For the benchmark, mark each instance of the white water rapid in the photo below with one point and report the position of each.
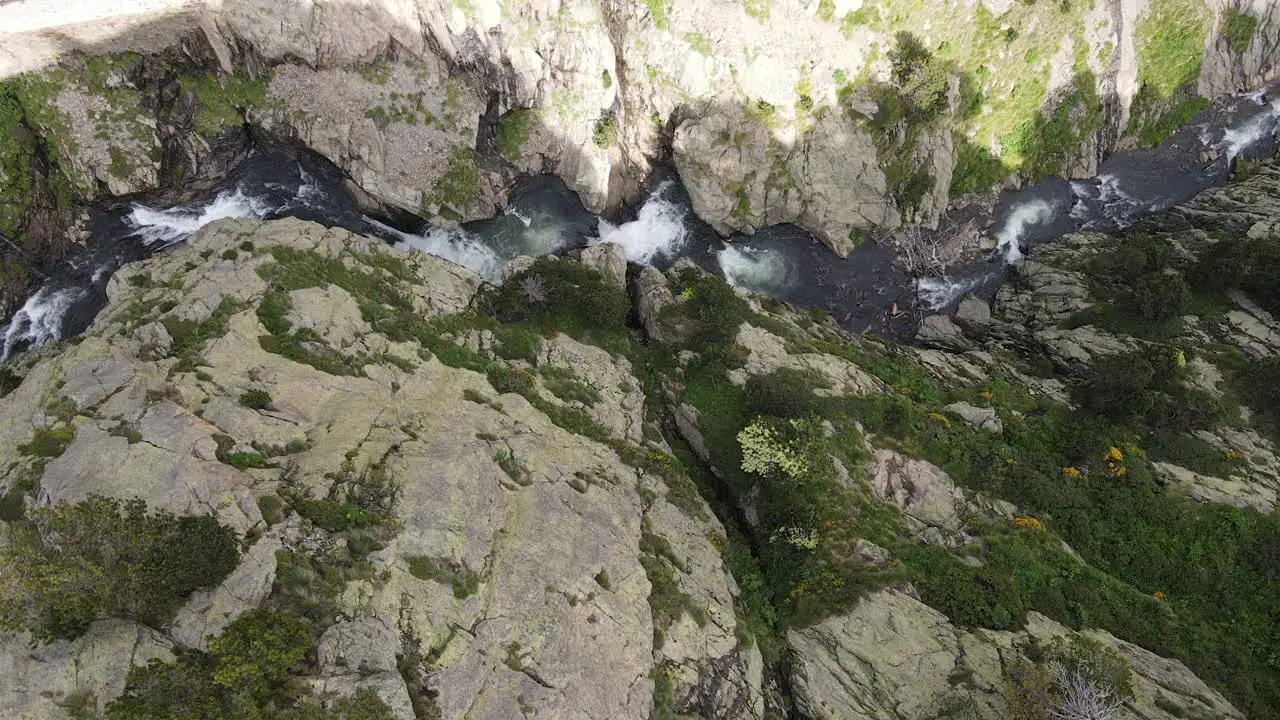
(161, 228)
(453, 244)
(40, 319)
(657, 231)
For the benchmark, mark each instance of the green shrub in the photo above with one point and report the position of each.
(1159, 297)
(69, 564)
(49, 443)
(463, 580)
(605, 134)
(509, 380)
(256, 399)
(513, 131)
(257, 651)
(563, 384)
(1239, 28)
(272, 310)
(272, 509)
(336, 516)
(1119, 386)
(784, 393)
(578, 299)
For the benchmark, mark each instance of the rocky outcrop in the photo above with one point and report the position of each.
(48, 682)
(1234, 65)
(849, 669)
(515, 618)
(934, 508)
(405, 132)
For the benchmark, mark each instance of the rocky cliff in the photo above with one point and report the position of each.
(481, 502)
(819, 112)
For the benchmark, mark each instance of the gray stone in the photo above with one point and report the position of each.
(982, 418)
(973, 312)
(939, 331)
(610, 260)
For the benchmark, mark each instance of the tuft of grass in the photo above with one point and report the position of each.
(463, 580)
(459, 186)
(1180, 114)
(47, 442)
(514, 128)
(700, 43)
(1239, 28)
(256, 399)
(563, 384)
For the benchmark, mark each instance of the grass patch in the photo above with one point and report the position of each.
(1239, 28)
(513, 131)
(464, 581)
(564, 384)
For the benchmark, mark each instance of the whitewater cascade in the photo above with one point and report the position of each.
(657, 232)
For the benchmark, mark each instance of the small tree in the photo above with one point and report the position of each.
(257, 651)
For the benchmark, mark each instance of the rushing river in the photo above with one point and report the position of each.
(866, 291)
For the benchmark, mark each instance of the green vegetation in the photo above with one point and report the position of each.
(1167, 124)
(1239, 28)
(49, 442)
(667, 601)
(1044, 144)
(28, 115)
(189, 337)
(256, 399)
(513, 131)
(700, 43)
(459, 186)
(658, 11)
(577, 300)
(758, 9)
(67, 565)
(1170, 41)
(464, 581)
(222, 102)
(565, 385)
(245, 675)
(606, 132)
(1082, 475)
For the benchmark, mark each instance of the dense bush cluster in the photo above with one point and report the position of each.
(572, 298)
(245, 675)
(67, 565)
(1186, 580)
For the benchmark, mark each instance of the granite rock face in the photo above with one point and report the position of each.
(559, 621)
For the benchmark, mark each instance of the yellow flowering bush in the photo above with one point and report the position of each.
(1072, 472)
(1028, 522)
(940, 419)
(1114, 460)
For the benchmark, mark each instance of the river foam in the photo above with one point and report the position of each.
(159, 229)
(40, 319)
(657, 232)
(453, 244)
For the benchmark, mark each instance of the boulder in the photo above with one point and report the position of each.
(935, 509)
(610, 260)
(652, 295)
(37, 682)
(940, 332)
(973, 312)
(982, 418)
(851, 666)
